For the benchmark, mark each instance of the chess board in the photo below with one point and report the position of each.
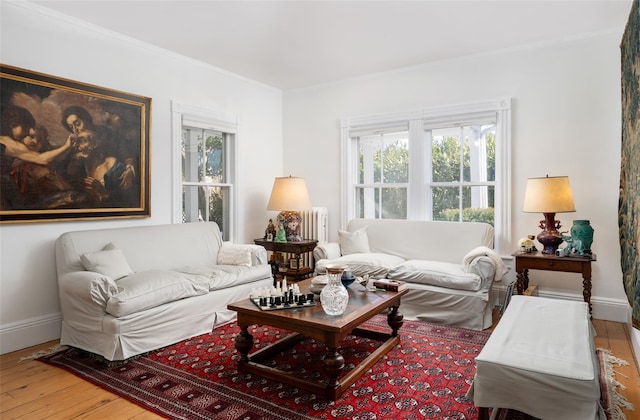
(281, 306)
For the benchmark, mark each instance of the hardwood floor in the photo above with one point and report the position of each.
(34, 390)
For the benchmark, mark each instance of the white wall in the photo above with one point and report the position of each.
(29, 308)
(565, 121)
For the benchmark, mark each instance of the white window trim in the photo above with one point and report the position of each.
(182, 114)
(369, 124)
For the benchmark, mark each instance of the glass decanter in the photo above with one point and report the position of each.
(334, 296)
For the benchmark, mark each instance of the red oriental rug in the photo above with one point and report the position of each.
(426, 376)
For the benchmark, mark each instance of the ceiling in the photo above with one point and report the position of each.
(293, 44)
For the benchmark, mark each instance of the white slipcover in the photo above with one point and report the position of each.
(541, 360)
(186, 248)
(420, 252)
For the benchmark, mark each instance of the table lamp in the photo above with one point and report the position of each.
(549, 195)
(289, 195)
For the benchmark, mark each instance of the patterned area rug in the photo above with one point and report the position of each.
(426, 376)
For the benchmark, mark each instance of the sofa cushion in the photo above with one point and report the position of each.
(436, 273)
(109, 262)
(223, 276)
(353, 242)
(374, 264)
(148, 289)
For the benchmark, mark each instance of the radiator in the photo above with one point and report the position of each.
(315, 225)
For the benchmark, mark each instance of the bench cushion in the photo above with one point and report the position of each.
(540, 360)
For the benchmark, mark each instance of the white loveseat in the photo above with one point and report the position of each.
(126, 291)
(449, 267)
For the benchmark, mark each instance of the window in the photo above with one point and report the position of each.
(383, 176)
(449, 164)
(461, 187)
(205, 146)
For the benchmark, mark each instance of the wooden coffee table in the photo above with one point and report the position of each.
(330, 330)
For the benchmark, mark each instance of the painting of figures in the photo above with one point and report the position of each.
(70, 150)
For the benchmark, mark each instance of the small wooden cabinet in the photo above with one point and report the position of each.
(526, 261)
(294, 272)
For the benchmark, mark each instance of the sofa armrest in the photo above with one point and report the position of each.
(327, 250)
(85, 292)
(258, 255)
(484, 267)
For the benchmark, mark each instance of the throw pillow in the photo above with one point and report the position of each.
(234, 255)
(110, 262)
(354, 242)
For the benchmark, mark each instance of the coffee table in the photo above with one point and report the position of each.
(330, 330)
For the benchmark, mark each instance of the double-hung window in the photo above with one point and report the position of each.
(449, 164)
(206, 144)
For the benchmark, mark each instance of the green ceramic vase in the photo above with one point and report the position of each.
(582, 230)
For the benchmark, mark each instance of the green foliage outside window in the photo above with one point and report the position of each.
(211, 159)
(468, 215)
(445, 168)
(214, 169)
(396, 164)
(395, 170)
(390, 166)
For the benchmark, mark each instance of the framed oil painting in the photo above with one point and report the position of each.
(70, 150)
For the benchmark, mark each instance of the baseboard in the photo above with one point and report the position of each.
(607, 309)
(29, 332)
(634, 333)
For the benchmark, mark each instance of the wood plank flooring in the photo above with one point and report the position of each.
(34, 390)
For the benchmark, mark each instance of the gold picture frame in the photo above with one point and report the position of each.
(70, 150)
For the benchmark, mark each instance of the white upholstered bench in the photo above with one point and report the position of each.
(540, 360)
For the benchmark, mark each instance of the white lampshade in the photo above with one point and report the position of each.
(548, 195)
(289, 193)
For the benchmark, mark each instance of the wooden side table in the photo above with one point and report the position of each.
(526, 261)
(298, 272)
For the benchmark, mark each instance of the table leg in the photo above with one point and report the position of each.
(333, 363)
(586, 283)
(395, 320)
(586, 292)
(522, 281)
(483, 413)
(244, 343)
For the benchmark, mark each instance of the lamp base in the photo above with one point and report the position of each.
(550, 238)
(291, 221)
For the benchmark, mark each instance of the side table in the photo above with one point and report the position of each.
(526, 261)
(297, 272)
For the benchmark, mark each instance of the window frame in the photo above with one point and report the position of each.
(208, 119)
(415, 122)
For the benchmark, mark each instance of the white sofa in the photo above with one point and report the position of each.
(127, 291)
(449, 267)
